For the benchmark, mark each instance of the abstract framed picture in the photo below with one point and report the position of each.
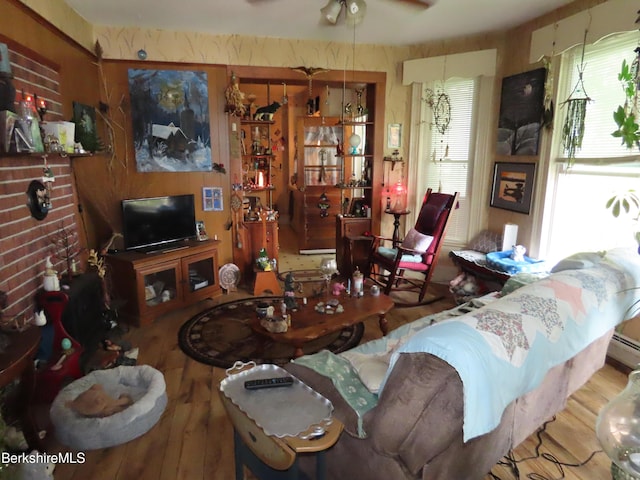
(170, 118)
(521, 108)
(513, 186)
(212, 199)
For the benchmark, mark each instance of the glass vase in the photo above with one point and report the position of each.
(618, 430)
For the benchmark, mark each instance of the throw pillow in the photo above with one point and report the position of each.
(486, 242)
(578, 261)
(417, 241)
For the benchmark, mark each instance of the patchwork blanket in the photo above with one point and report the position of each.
(503, 349)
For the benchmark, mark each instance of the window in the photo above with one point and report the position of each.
(575, 217)
(446, 158)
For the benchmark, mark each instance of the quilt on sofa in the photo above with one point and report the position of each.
(505, 348)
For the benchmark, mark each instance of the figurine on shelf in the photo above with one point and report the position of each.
(263, 260)
(338, 288)
(289, 292)
(266, 113)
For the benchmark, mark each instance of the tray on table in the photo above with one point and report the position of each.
(281, 412)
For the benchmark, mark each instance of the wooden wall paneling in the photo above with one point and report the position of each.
(102, 205)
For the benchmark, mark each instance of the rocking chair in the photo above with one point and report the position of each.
(409, 265)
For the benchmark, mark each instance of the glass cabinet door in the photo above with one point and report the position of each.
(200, 276)
(161, 285)
(322, 143)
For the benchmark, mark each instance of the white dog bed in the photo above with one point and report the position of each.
(143, 383)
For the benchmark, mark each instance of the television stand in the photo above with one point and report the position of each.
(166, 249)
(154, 283)
(174, 249)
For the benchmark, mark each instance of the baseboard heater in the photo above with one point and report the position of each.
(624, 349)
(316, 251)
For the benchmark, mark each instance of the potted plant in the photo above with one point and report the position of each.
(626, 115)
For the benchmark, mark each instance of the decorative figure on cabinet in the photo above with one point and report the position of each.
(289, 292)
(324, 205)
(263, 260)
(234, 98)
(266, 113)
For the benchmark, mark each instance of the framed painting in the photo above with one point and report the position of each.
(212, 199)
(201, 231)
(521, 108)
(394, 135)
(513, 186)
(170, 118)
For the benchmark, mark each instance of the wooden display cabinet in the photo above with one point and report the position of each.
(257, 158)
(255, 235)
(152, 284)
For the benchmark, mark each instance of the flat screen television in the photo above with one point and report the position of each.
(156, 223)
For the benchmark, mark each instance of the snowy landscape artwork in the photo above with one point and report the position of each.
(170, 117)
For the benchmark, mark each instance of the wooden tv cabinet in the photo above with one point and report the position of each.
(152, 284)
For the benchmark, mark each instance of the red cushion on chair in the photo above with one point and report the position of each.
(413, 266)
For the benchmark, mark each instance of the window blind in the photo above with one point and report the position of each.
(446, 162)
(602, 64)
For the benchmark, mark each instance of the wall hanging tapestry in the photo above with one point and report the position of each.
(170, 117)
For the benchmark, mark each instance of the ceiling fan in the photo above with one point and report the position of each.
(356, 9)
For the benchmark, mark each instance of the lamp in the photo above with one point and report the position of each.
(618, 430)
(398, 197)
(331, 11)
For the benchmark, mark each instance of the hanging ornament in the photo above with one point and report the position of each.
(310, 73)
(573, 126)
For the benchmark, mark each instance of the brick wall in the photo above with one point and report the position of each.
(26, 242)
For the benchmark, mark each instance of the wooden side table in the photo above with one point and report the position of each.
(266, 281)
(396, 224)
(273, 458)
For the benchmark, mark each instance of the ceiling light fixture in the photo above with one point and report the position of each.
(331, 11)
(355, 11)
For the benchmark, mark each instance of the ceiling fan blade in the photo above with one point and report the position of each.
(416, 3)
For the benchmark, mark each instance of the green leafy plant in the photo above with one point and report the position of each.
(625, 116)
(628, 203)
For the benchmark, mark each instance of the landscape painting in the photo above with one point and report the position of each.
(170, 117)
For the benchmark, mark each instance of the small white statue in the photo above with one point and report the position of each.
(518, 253)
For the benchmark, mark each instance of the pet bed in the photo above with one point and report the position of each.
(503, 261)
(143, 383)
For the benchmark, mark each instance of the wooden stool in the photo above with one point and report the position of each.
(266, 281)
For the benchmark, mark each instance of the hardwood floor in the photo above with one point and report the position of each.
(193, 439)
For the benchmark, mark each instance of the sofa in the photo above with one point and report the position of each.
(441, 398)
